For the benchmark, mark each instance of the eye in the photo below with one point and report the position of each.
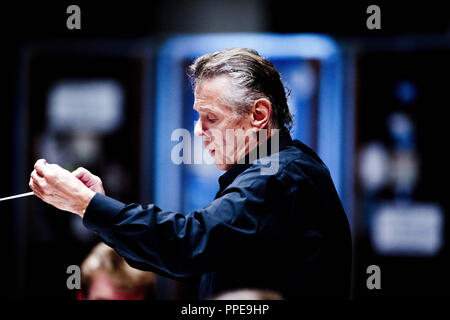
(211, 118)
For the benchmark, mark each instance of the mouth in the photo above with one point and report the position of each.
(212, 152)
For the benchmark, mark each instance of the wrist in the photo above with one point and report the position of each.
(86, 198)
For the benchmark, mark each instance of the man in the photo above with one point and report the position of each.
(285, 231)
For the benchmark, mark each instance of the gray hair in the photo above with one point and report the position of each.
(252, 76)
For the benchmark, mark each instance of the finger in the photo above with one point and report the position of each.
(30, 184)
(41, 167)
(39, 195)
(41, 162)
(86, 177)
(35, 188)
(39, 175)
(39, 181)
(82, 174)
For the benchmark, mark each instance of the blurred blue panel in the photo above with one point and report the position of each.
(310, 69)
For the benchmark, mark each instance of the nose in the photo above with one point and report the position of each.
(201, 131)
(198, 131)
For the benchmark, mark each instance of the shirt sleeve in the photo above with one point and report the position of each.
(181, 245)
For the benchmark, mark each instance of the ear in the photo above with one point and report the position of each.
(261, 111)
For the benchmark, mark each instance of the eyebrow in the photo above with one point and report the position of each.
(202, 109)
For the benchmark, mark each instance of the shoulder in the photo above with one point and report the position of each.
(291, 166)
(300, 160)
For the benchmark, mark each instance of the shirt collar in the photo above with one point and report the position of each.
(228, 177)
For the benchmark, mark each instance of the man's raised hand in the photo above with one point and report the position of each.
(60, 188)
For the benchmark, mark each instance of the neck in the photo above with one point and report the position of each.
(266, 142)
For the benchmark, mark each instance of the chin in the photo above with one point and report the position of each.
(223, 167)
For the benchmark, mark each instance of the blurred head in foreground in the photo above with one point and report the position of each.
(249, 294)
(107, 276)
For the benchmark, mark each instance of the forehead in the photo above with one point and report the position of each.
(210, 85)
(208, 93)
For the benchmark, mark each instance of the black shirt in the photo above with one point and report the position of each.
(285, 231)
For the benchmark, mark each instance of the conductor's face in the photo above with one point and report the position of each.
(223, 132)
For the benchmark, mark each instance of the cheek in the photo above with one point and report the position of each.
(217, 136)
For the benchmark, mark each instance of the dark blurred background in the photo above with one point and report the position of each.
(393, 140)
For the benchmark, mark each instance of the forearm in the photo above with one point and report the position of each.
(147, 237)
(176, 244)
